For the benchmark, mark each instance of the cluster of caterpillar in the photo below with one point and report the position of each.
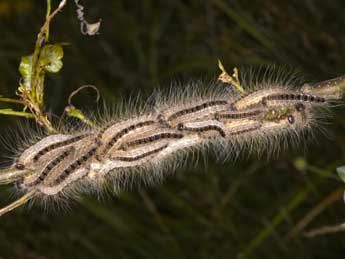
(150, 143)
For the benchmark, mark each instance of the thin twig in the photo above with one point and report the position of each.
(81, 88)
(22, 200)
(317, 210)
(72, 111)
(325, 230)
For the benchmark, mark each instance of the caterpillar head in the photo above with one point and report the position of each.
(286, 118)
(48, 166)
(30, 163)
(26, 166)
(13, 173)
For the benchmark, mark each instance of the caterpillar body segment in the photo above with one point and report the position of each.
(147, 140)
(289, 98)
(255, 98)
(117, 133)
(240, 115)
(277, 97)
(31, 155)
(193, 102)
(40, 159)
(200, 110)
(49, 167)
(135, 158)
(69, 140)
(206, 129)
(61, 164)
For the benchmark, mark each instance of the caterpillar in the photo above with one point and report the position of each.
(143, 145)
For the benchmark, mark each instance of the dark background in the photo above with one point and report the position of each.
(245, 207)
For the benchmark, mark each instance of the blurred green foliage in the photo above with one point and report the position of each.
(243, 208)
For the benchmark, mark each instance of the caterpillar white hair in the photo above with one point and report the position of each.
(148, 144)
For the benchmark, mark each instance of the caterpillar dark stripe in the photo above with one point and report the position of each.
(221, 132)
(58, 145)
(123, 132)
(51, 165)
(196, 108)
(237, 115)
(293, 97)
(76, 165)
(135, 158)
(151, 139)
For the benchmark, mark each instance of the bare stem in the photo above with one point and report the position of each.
(21, 201)
(317, 210)
(325, 230)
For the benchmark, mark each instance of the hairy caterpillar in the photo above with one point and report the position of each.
(65, 163)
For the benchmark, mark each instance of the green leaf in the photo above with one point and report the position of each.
(51, 58)
(10, 100)
(76, 113)
(9, 111)
(25, 69)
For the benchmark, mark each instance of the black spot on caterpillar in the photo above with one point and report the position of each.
(291, 119)
(300, 107)
(135, 158)
(19, 166)
(162, 120)
(58, 145)
(196, 108)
